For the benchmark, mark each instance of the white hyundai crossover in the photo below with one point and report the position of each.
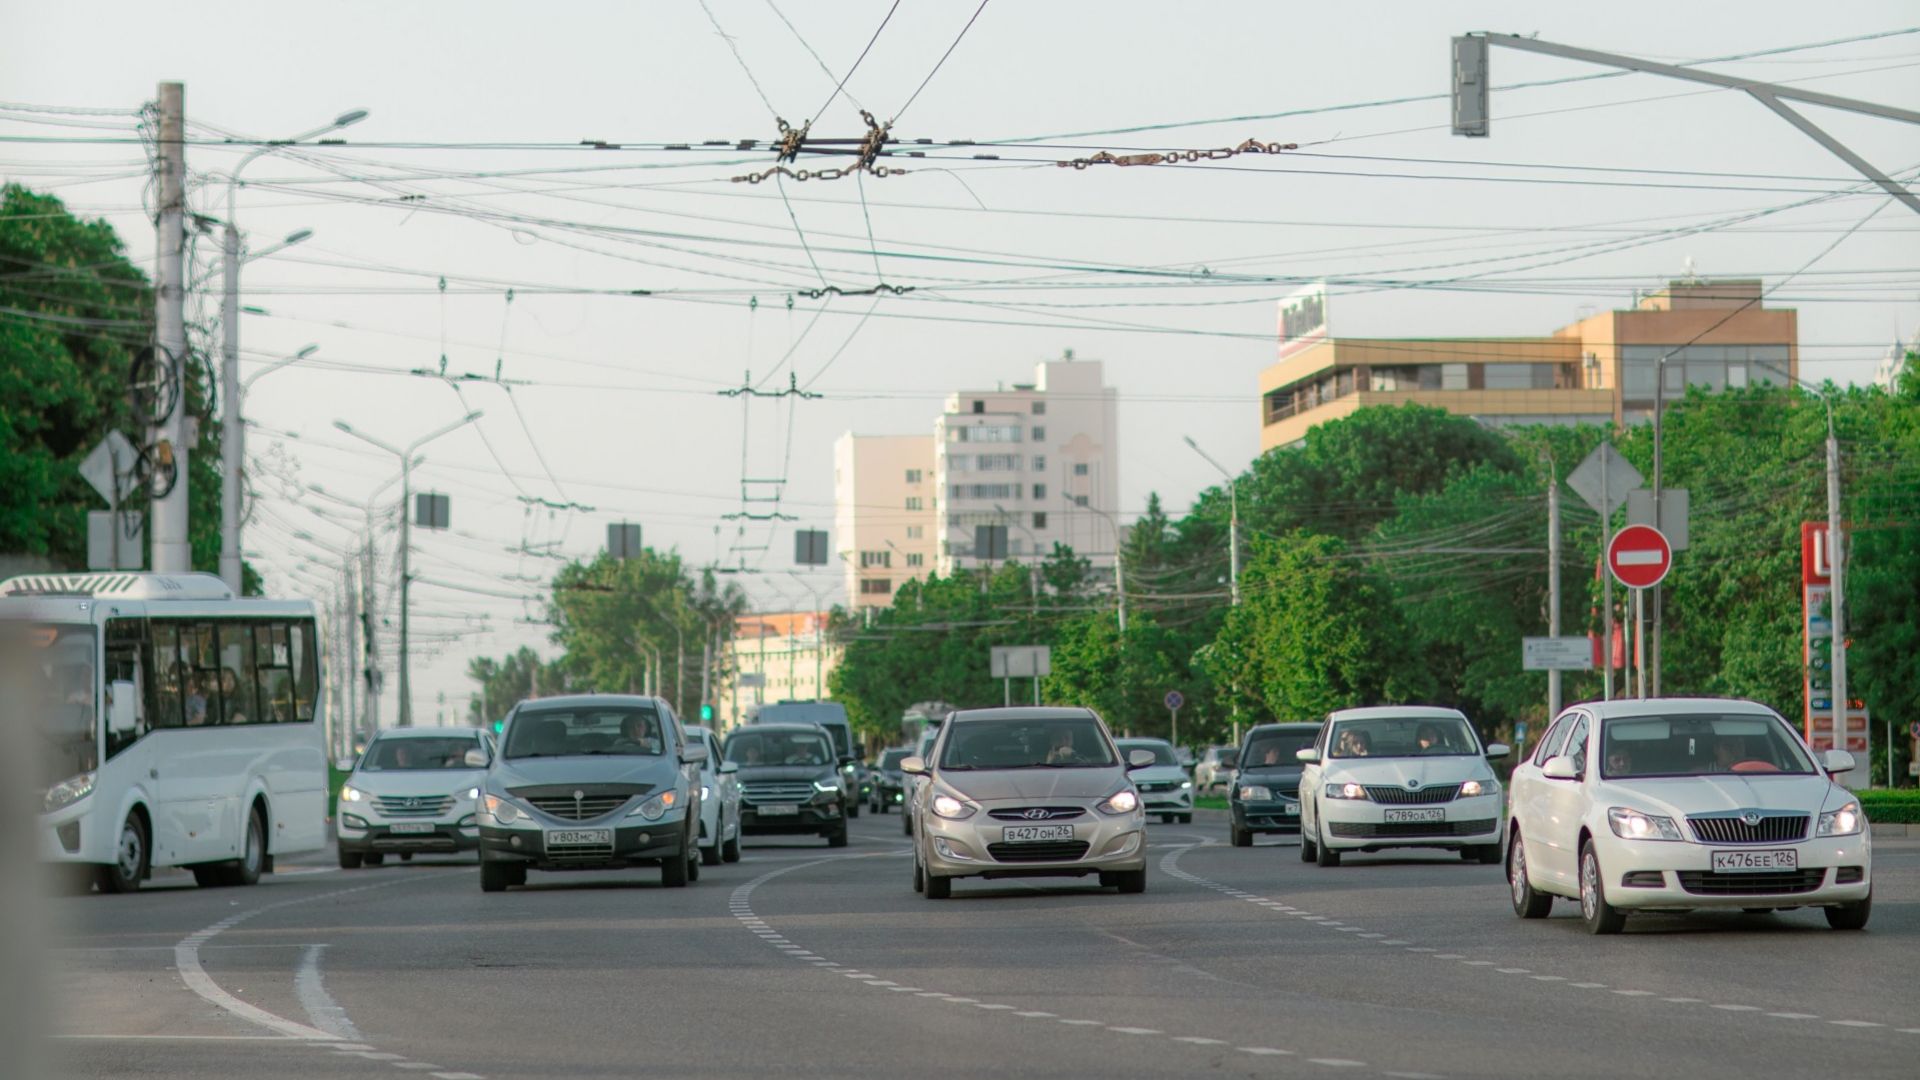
(1675, 804)
(1402, 776)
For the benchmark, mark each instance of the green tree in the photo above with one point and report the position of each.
(610, 615)
(1883, 575)
(506, 682)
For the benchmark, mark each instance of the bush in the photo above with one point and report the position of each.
(1892, 807)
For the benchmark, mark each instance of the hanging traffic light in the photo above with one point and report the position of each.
(706, 713)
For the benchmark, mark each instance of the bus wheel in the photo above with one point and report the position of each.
(129, 859)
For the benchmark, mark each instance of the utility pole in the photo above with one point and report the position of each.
(406, 579)
(1836, 563)
(1606, 587)
(232, 461)
(369, 609)
(1553, 588)
(172, 554)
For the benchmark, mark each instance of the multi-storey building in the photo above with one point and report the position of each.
(1715, 334)
(775, 656)
(884, 520)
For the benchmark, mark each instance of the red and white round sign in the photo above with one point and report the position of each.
(1639, 556)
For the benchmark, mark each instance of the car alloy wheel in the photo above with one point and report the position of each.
(1527, 903)
(1600, 916)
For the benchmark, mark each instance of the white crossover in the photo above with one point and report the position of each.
(1399, 776)
(1675, 804)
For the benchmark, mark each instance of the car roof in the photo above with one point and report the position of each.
(1384, 712)
(1142, 740)
(578, 701)
(778, 729)
(1672, 706)
(1291, 727)
(1027, 712)
(425, 732)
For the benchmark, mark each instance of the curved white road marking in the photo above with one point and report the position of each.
(326, 1014)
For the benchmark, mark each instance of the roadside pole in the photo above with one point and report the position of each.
(1836, 564)
(171, 552)
(1553, 588)
(1606, 591)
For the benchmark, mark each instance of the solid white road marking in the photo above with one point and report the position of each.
(326, 1014)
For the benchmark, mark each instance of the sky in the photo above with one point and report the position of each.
(603, 299)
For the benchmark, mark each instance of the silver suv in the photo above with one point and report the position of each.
(1026, 793)
(412, 792)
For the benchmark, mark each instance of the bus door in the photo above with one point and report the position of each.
(126, 760)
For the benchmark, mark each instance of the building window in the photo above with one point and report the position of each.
(1039, 463)
(915, 559)
(876, 586)
(1039, 434)
(997, 463)
(870, 559)
(913, 476)
(1453, 376)
(913, 502)
(979, 407)
(985, 433)
(1040, 520)
(1039, 408)
(914, 532)
(1039, 492)
(1519, 376)
(1080, 468)
(1079, 500)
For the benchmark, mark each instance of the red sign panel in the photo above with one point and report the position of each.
(1639, 556)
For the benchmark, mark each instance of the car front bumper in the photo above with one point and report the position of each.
(811, 819)
(1362, 824)
(378, 837)
(1687, 879)
(641, 843)
(976, 846)
(1179, 800)
(1279, 816)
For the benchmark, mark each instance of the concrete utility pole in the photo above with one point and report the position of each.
(1233, 521)
(1553, 590)
(1836, 573)
(369, 609)
(172, 552)
(1606, 589)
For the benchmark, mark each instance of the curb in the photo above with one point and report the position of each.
(1896, 831)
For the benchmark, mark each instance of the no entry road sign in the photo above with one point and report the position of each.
(1639, 556)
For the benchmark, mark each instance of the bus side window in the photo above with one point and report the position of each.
(124, 647)
(275, 662)
(302, 651)
(200, 654)
(167, 678)
(237, 700)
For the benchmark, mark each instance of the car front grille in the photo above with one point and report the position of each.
(1026, 813)
(1364, 830)
(585, 808)
(580, 853)
(1730, 829)
(1046, 851)
(1427, 796)
(1160, 785)
(782, 792)
(1770, 883)
(412, 806)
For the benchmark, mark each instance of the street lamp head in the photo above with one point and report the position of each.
(348, 119)
(296, 236)
(1190, 442)
(472, 416)
(344, 426)
(306, 352)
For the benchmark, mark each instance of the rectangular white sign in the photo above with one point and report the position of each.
(1556, 654)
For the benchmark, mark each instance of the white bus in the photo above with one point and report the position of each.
(175, 725)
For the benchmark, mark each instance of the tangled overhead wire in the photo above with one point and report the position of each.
(793, 141)
(1170, 157)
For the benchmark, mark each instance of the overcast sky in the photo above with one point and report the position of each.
(1585, 192)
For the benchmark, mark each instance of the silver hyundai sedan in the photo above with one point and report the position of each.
(1038, 792)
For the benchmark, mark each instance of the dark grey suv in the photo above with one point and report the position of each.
(591, 782)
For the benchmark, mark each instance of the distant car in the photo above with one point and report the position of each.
(719, 802)
(1215, 768)
(1401, 776)
(831, 716)
(1673, 804)
(1265, 794)
(591, 782)
(1029, 792)
(412, 792)
(789, 782)
(1164, 786)
(889, 784)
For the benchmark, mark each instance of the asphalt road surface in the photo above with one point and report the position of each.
(804, 962)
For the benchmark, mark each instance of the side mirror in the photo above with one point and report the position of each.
(122, 718)
(1498, 750)
(914, 766)
(1839, 761)
(346, 762)
(693, 753)
(847, 759)
(1307, 754)
(727, 768)
(1560, 767)
(1139, 759)
(476, 759)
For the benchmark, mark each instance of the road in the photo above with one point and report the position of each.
(804, 962)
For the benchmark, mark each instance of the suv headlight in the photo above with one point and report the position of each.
(1842, 822)
(952, 809)
(70, 791)
(1123, 801)
(468, 795)
(500, 810)
(1255, 793)
(1347, 790)
(1479, 787)
(825, 787)
(349, 793)
(1634, 825)
(656, 808)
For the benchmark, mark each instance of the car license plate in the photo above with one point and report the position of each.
(778, 810)
(1755, 862)
(410, 827)
(579, 838)
(1014, 834)
(1397, 816)
(1290, 809)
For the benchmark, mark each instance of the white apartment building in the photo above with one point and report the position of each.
(1041, 459)
(884, 514)
(775, 656)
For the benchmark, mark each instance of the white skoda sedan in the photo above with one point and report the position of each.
(1398, 777)
(1675, 804)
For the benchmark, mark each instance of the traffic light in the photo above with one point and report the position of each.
(706, 713)
(499, 726)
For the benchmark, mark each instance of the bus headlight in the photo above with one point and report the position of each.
(67, 792)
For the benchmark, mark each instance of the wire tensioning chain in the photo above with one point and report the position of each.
(793, 140)
(1171, 157)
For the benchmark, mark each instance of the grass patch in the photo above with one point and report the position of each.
(1210, 802)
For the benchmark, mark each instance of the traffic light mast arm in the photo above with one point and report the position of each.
(1472, 118)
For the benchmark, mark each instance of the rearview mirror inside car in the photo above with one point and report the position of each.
(1140, 759)
(1498, 750)
(1560, 768)
(476, 759)
(1307, 754)
(916, 765)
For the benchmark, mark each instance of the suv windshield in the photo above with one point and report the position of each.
(628, 730)
(1278, 748)
(749, 747)
(418, 752)
(1074, 742)
(1635, 747)
(1162, 753)
(1402, 736)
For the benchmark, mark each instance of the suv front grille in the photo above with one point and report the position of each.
(1770, 883)
(1382, 793)
(1044, 851)
(408, 806)
(1021, 813)
(778, 792)
(582, 809)
(1729, 829)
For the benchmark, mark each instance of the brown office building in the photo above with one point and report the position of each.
(1598, 369)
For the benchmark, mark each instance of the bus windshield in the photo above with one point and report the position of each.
(49, 672)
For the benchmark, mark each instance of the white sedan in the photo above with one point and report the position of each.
(1675, 804)
(1399, 777)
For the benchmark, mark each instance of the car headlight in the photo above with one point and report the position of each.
(67, 792)
(1123, 801)
(1185, 784)
(469, 795)
(1842, 822)
(656, 808)
(500, 810)
(1479, 787)
(350, 793)
(952, 809)
(1634, 825)
(1348, 790)
(825, 786)
(1255, 793)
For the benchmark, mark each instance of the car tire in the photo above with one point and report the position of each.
(693, 866)
(937, 887)
(1126, 881)
(349, 860)
(1186, 819)
(838, 837)
(498, 877)
(853, 809)
(730, 851)
(131, 858)
(1309, 851)
(919, 875)
(1850, 916)
(1484, 854)
(1240, 837)
(1527, 902)
(1325, 856)
(906, 822)
(406, 856)
(673, 873)
(375, 858)
(710, 856)
(1600, 916)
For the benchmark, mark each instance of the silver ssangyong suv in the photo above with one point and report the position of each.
(1026, 793)
(591, 782)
